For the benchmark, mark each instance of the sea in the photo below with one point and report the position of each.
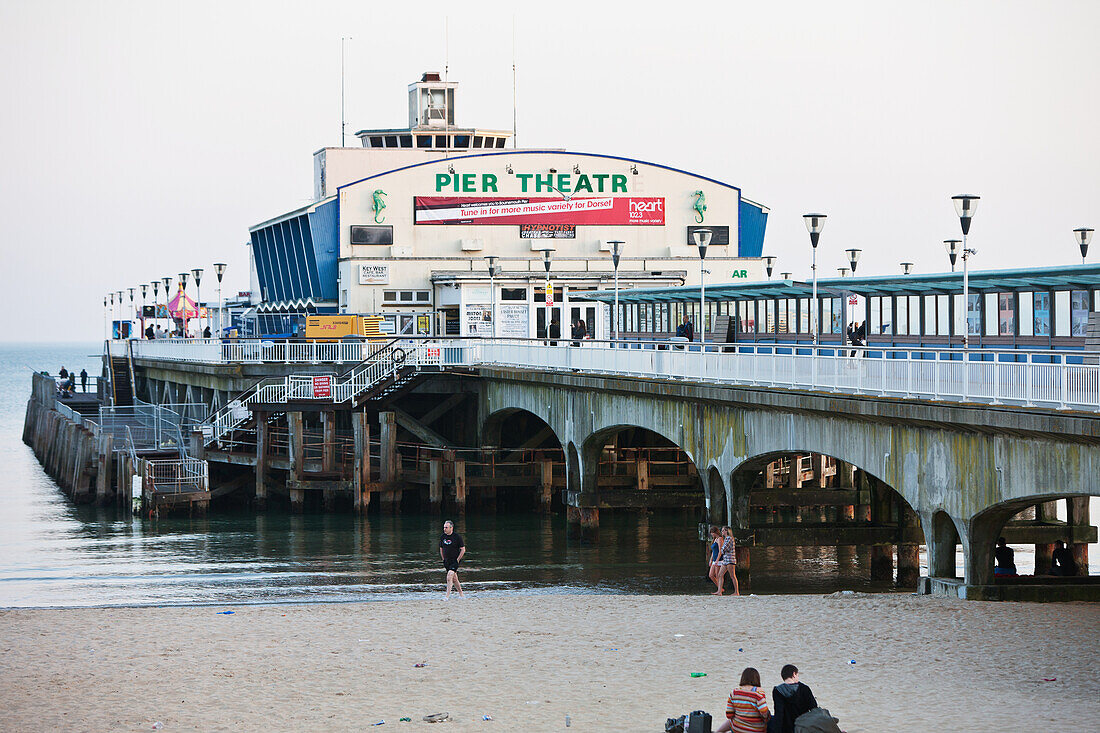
(55, 554)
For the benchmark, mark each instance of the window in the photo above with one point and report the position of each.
(974, 314)
(513, 293)
(1006, 304)
(371, 234)
(406, 141)
(406, 297)
(902, 321)
(500, 142)
(441, 141)
(391, 141)
(991, 314)
(930, 320)
(462, 141)
(477, 141)
(804, 315)
(1079, 312)
(770, 320)
(838, 314)
(425, 141)
(1026, 316)
(914, 315)
(538, 294)
(781, 322)
(376, 141)
(943, 315)
(1061, 313)
(826, 315)
(1042, 314)
(748, 323)
(875, 326)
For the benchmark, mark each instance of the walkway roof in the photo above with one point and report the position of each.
(1036, 278)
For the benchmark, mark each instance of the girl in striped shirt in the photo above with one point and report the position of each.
(747, 707)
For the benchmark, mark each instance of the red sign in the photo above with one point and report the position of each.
(590, 211)
(550, 299)
(322, 387)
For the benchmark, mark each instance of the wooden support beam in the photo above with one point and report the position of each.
(546, 486)
(643, 475)
(435, 486)
(296, 452)
(810, 535)
(103, 473)
(1044, 552)
(361, 434)
(534, 441)
(391, 497)
(328, 437)
(329, 485)
(442, 408)
(1078, 514)
(909, 552)
(807, 497)
(421, 431)
(460, 485)
(634, 499)
(262, 441)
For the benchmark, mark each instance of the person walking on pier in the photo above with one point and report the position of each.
(451, 550)
(83, 380)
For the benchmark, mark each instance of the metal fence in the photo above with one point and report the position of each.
(150, 427)
(176, 476)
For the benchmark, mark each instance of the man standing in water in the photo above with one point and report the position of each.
(451, 550)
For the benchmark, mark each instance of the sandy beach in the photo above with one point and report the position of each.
(607, 662)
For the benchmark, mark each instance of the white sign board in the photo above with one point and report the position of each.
(374, 274)
(479, 319)
(512, 320)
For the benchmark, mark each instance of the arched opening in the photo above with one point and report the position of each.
(943, 550)
(523, 464)
(717, 512)
(816, 522)
(1033, 547)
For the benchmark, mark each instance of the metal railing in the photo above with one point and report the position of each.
(1060, 379)
(251, 351)
(176, 476)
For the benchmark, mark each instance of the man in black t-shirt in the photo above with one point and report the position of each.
(451, 550)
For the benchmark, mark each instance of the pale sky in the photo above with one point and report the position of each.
(140, 139)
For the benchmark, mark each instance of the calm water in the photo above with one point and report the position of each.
(55, 554)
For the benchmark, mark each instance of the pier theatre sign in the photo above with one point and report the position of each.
(566, 208)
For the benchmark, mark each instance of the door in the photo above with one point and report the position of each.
(586, 313)
(548, 322)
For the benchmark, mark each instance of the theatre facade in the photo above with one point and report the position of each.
(408, 231)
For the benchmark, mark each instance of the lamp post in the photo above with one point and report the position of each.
(106, 333)
(120, 312)
(906, 268)
(702, 241)
(549, 299)
(965, 205)
(616, 254)
(769, 264)
(183, 289)
(814, 224)
(167, 281)
(197, 272)
(952, 247)
(842, 271)
(156, 298)
(132, 314)
(144, 292)
(1083, 236)
(219, 270)
(853, 258)
(494, 270)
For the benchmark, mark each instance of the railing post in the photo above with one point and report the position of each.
(1029, 370)
(1065, 382)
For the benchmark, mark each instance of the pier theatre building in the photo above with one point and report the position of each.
(404, 228)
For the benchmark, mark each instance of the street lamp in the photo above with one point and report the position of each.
(219, 270)
(120, 312)
(167, 281)
(156, 297)
(546, 254)
(144, 292)
(814, 224)
(106, 333)
(906, 268)
(952, 247)
(853, 257)
(842, 271)
(785, 275)
(965, 205)
(616, 253)
(702, 241)
(1083, 236)
(183, 289)
(494, 270)
(131, 312)
(197, 272)
(769, 264)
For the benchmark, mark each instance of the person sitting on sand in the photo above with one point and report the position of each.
(790, 699)
(1061, 561)
(716, 571)
(747, 707)
(451, 550)
(1006, 560)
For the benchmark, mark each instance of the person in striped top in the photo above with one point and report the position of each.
(747, 707)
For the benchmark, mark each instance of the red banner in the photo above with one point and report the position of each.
(322, 387)
(590, 211)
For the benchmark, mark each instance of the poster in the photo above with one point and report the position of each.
(513, 320)
(374, 274)
(322, 387)
(547, 231)
(594, 211)
(479, 319)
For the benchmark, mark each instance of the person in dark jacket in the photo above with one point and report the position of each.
(686, 329)
(790, 699)
(83, 380)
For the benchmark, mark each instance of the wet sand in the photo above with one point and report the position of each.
(607, 662)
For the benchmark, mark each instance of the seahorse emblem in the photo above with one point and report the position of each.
(700, 206)
(379, 206)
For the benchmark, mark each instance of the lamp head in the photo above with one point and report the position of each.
(814, 224)
(785, 275)
(144, 290)
(1083, 236)
(131, 294)
(965, 205)
(853, 257)
(494, 268)
(842, 271)
(219, 270)
(546, 254)
(197, 272)
(702, 239)
(616, 251)
(183, 280)
(769, 264)
(906, 268)
(167, 284)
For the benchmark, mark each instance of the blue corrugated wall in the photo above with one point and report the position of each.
(754, 220)
(326, 247)
(296, 258)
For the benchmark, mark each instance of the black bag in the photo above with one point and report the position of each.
(675, 725)
(698, 722)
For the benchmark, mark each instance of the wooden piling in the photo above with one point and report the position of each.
(546, 486)
(590, 523)
(1044, 553)
(297, 458)
(643, 475)
(435, 485)
(1078, 516)
(103, 474)
(387, 434)
(460, 486)
(361, 481)
(328, 450)
(262, 450)
(908, 554)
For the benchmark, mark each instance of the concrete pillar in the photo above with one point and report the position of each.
(297, 458)
(361, 480)
(262, 448)
(546, 486)
(589, 523)
(1044, 552)
(1078, 516)
(882, 562)
(943, 542)
(908, 553)
(328, 450)
(573, 521)
(435, 485)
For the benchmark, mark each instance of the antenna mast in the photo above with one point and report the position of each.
(343, 136)
(514, 140)
(446, 89)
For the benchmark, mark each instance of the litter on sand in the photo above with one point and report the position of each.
(404, 720)
(226, 613)
(421, 664)
(486, 717)
(437, 717)
(698, 674)
(1050, 679)
(380, 722)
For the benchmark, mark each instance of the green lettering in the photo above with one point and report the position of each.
(489, 182)
(547, 181)
(469, 182)
(441, 180)
(564, 184)
(618, 183)
(523, 178)
(600, 178)
(583, 184)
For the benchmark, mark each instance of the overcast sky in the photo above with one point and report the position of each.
(141, 139)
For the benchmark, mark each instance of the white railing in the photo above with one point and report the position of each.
(176, 476)
(1061, 379)
(250, 351)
